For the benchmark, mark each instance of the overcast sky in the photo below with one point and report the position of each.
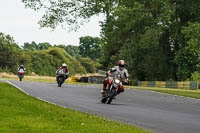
(22, 25)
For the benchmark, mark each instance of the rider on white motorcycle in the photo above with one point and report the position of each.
(66, 70)
(116, 69)
(20, 72)
(21, 67)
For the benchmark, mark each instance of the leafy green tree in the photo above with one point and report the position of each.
(132, 29)
(123, 36)
(90, 47)
(185, 19)
(61, 56)
(90, 65)
(188, 57)
(44, 45)
(72, 13)
(30, 46)
(72, 50)
(9, 53)
(34, 46)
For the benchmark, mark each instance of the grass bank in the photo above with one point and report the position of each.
(20, 113)
(35, 78)
(180, 92)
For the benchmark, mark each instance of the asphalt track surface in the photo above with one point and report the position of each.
(159, 112)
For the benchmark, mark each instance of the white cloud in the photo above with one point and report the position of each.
(21, 24)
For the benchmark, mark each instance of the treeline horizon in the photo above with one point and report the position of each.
(43, 58)
(158, 39)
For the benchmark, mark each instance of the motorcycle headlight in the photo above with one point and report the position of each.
(117, 81)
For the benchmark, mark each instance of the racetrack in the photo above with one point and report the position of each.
(159, 112)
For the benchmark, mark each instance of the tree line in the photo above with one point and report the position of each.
(159, 39)
(44, 59)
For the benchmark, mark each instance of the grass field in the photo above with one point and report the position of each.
(20, 113)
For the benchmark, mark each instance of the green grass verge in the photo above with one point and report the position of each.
(180, 92)
(20, 113)
(36, 80)
(32, 79)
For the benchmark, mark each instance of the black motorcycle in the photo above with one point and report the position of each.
(61, 76)
(111, 90)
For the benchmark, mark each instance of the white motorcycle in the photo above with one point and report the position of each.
(111, 90)
(61, 77)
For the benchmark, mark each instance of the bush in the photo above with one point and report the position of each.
(46, 62)
(195, 76)
(90, 65)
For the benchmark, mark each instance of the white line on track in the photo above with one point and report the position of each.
(34, 96)
(165, 93)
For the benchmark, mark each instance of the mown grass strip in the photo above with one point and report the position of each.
(180, 92)
(32, 78)
(20, 113)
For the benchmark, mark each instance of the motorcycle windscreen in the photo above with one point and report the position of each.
(61, 72)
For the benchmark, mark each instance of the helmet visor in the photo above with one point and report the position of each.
(120, 65)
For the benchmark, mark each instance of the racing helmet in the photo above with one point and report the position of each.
(64, 65)
(21, 66)
(121, 63)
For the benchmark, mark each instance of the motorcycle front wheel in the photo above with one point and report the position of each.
(60, 81)
(104, 99)
(112, 94)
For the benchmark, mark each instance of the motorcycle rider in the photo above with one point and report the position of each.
(66, 70)
(21, 67)
(116, 69)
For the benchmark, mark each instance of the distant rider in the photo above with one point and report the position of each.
(21, 67)
(66, 71)
(116, 69)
